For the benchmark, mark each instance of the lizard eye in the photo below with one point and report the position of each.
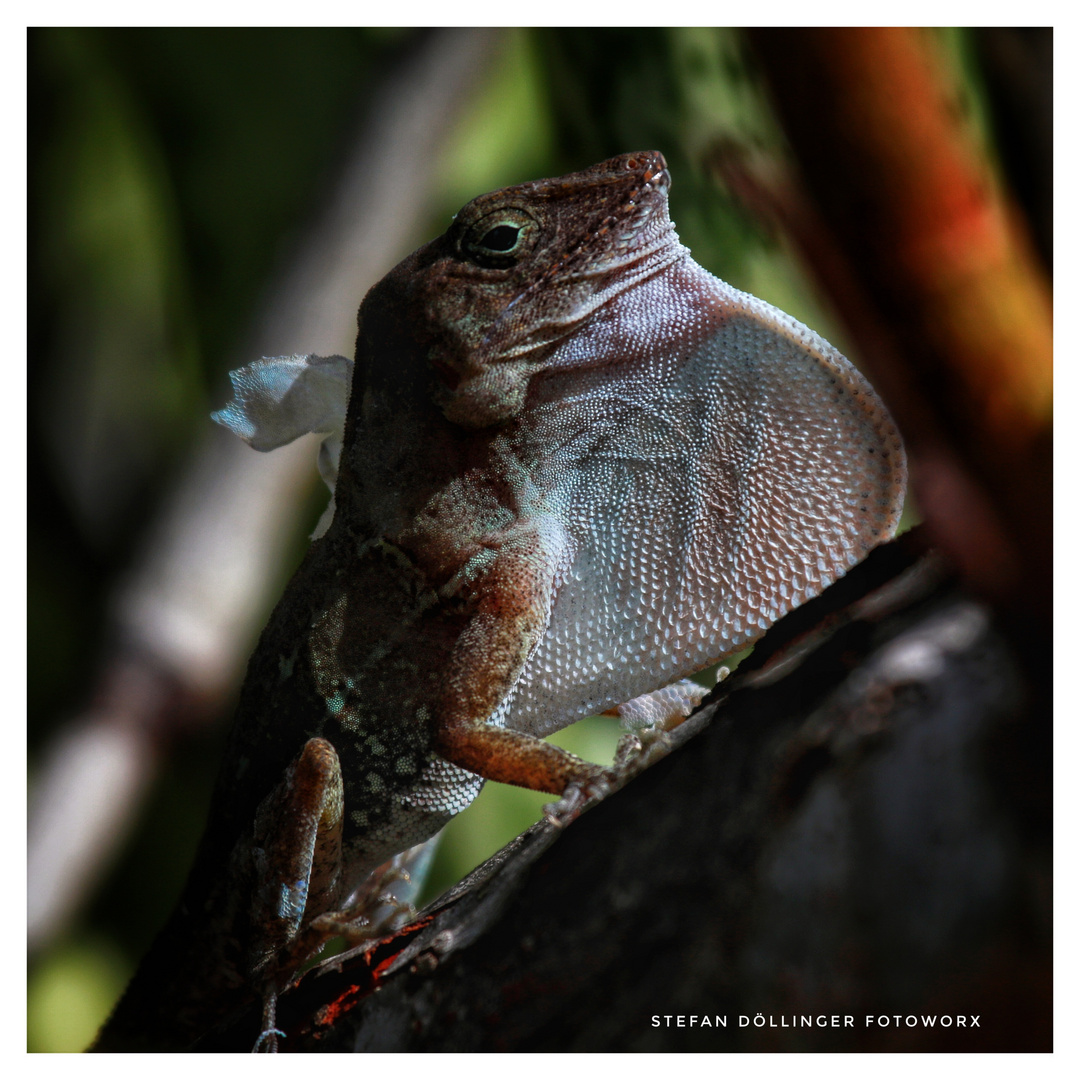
(499, 239)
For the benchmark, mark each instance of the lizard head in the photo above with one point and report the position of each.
(520, 269)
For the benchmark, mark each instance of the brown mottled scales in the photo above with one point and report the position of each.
(576, 468)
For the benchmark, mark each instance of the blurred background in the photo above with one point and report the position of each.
(199, 198)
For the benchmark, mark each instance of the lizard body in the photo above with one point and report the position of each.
(576, 467)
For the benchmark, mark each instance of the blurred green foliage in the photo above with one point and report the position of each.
(169, 169)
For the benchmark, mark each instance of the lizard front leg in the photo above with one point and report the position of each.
(512, 597)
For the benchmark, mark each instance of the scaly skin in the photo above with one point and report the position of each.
(576, 468)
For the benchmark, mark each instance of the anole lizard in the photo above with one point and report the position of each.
(576, 468)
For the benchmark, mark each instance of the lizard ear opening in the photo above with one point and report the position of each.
(499, 239)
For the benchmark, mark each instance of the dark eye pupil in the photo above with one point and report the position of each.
(501, 238)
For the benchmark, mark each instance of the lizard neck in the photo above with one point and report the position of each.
(399, 447)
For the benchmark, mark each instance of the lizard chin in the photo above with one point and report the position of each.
(490, 398)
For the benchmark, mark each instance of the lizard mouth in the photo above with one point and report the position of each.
(640, 220)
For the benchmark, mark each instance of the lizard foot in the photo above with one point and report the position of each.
(376, 917)
(637, 750)
(372, 912)
(371, 916)
(579, 795)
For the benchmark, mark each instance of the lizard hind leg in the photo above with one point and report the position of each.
(296, 857)
(298, 896)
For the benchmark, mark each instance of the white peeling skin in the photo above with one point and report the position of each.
(278, 399)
